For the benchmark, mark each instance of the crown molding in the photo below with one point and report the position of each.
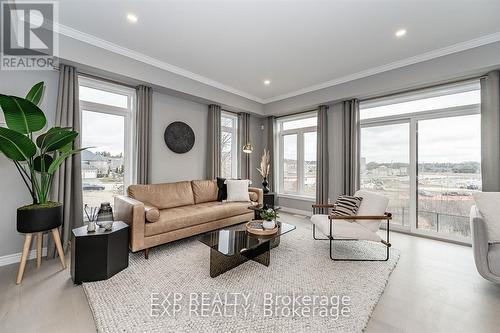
(459, 47)
(123, 51)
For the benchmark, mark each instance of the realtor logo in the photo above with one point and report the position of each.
(28, 38)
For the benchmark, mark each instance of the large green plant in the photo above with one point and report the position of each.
(36, 160)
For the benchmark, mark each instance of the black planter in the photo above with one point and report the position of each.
(265, 189)
(39, 219)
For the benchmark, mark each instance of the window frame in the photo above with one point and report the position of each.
(412, 120)
(300, 194)
(129, 157)
(234, 144)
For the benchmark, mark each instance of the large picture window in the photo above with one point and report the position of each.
(229, 145)
(107, 128)
(297, 155)
(422, 150)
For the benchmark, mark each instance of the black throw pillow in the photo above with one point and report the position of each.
(222, 193)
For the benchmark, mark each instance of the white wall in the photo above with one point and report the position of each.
(13, 192)
(168, 166)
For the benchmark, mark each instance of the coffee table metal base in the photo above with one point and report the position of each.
(220, 263)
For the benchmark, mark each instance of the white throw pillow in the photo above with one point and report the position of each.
(373, 204)
(237, 190)
(488, 204)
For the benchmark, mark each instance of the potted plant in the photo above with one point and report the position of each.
(36, 159)
(265, 167)
(269, 217)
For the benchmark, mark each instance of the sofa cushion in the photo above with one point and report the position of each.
(204, 190)
(237, 190)
(222, 193)
(164, 196)
(181, 217)
(487, 203)
(152, 213)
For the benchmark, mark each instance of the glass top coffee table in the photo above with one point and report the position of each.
(232, 246)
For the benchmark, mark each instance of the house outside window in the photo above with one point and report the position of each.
(423, 151)
(107, 127)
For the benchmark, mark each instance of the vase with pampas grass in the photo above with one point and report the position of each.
(265, 167)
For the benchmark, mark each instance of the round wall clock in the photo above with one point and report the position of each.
(179, 137)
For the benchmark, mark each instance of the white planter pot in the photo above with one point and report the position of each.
(268, 225)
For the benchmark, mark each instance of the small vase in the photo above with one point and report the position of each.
(91, 226)
(264, 185)
(268, 224)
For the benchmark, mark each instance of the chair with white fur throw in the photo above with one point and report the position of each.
(362, 224)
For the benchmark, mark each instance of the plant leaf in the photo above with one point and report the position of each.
(56, 163)
(35, 93)
(21, 115)
(47, 161)
(55, 138)
(15, 145)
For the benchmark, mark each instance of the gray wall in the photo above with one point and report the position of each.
(474, 61)
(168, 166)
(13, 192)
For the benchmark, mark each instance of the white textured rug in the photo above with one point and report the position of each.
(302, 289)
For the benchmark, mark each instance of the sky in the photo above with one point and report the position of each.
(103, 131)
(455, 139)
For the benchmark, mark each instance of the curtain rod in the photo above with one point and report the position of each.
(296, 113)
(423, 88)
(97, 77)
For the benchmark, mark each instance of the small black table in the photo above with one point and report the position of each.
(100, 254)
(233, 246)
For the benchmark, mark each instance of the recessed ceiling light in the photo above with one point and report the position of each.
(267, 82)
(400, 33)
(132, 18)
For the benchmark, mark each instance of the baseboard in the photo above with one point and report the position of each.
(16, 257)
(295, 211)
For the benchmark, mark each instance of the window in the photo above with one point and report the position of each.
(426, 158)
(297, 155)
(229, 145)
(106, 128)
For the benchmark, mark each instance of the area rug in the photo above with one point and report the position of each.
(302, 289)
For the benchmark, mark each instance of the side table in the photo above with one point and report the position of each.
(269, 199)
(100, 254)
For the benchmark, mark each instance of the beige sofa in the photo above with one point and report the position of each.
(161, 213)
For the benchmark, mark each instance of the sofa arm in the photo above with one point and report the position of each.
(480, 245)
(131, 211)
(259, 192)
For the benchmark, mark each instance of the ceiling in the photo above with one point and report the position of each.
(297, 45)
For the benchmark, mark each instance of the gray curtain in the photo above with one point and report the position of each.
(490, 132)
(144, 106)
(143, 109)
(351, 149)
(67, 185)
(244, 138)
(322, 156)
(271, 141)
(213, 141)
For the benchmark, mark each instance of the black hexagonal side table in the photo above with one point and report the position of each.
(99, 255)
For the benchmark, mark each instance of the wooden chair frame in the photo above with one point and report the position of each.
(322, 207)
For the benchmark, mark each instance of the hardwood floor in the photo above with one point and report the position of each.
(434, 288)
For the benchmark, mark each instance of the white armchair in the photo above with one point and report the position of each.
(363, 226)
(486, 251)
